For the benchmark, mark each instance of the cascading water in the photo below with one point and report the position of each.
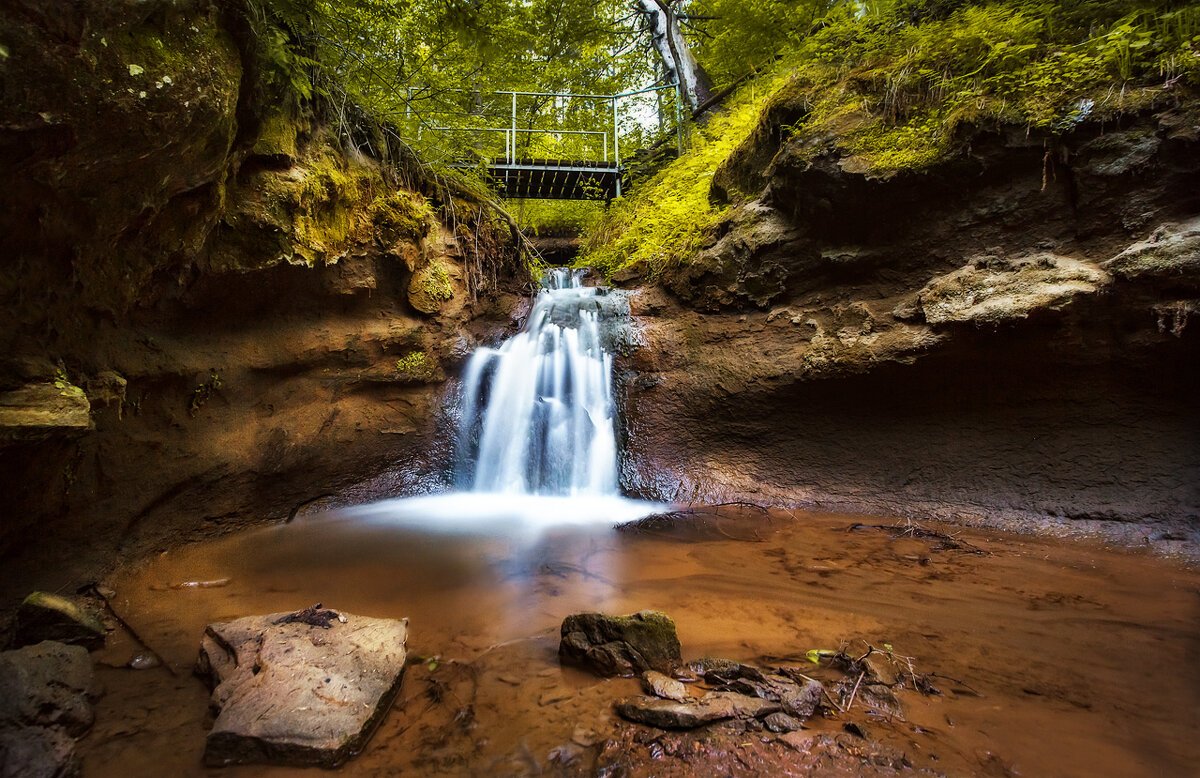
(538, 411)
(537, 442)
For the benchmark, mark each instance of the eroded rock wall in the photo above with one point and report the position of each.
(1009, 335)
(213, 306)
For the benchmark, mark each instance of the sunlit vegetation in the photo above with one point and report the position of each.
(896, 86)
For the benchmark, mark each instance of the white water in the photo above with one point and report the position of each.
(537, 413)
(537, 442)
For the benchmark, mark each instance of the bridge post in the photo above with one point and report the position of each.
(616, 145)
(512, 160)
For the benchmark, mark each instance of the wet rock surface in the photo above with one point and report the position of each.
(44, 704)
(45, 616)
(712, 707)
(299, 689)
(620, 645)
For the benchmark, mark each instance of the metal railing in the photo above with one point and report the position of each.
(537, 133)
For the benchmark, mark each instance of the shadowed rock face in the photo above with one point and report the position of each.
(296, 692)
(990, 339)
(44, 704)
(214, 308)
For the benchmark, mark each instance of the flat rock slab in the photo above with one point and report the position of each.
(307, 691)
(712, 707)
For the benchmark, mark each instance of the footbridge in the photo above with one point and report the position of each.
(548, 145)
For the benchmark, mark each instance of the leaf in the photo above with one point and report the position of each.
(814, 655)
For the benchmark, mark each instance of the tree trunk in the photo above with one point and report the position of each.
(668, 41)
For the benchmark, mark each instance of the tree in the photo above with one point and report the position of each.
(666, 36)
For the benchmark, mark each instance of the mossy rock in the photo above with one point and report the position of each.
(620, 645)
(430, 287)
(417, 367)
(277, 138)
(401, 216)
(46, 616)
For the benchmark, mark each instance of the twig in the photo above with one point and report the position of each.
(95, 592)
(850, 704)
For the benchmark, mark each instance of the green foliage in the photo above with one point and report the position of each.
(667, 218)
(738, 36)
(538, 217)
(891, 84)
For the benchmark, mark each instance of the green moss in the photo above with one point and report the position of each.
(435, 282)
(400, 216)
(417, 367)
(277, 136)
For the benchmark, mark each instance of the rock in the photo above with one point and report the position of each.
(1171, 253)
(991, 290)
(780, 723)
(46, 685)
(716, 670)
(295, 693)
(37, 752)
(45, 616)
(663, 686)
(40, 410)
(712, 707)
(620, 645)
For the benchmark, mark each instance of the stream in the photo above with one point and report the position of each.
(1070, 658)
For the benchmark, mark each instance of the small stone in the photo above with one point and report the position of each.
(663, 686)
(45, 616)
(781, 722)
(585, 737)
(144, 661)
(136, 70)
(620, 645)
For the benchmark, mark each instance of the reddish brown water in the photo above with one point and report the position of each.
(1083, 661)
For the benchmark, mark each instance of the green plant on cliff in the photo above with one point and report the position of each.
(890, 87)
(416, 367)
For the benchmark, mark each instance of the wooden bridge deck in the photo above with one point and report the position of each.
(555, 179)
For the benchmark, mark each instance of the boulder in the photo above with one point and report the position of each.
(46, 685)
(712, 707)
(620, 645)
(1170, 255)
(299, 689)
(37, 752)
(45, 616)
(43, 703)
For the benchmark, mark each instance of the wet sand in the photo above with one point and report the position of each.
(1068, 658)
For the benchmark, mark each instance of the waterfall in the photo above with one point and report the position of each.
(538, 411)
(537, 442)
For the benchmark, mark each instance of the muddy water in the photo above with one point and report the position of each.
(1066, 659)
